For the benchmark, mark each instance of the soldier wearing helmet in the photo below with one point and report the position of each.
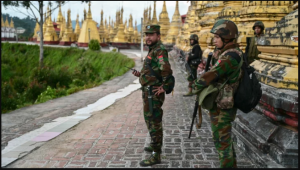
(259, 39)
(193, 60)
(225, 63)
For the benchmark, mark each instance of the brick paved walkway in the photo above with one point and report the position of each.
(119, 139)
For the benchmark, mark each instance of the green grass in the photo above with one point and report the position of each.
(66, 71)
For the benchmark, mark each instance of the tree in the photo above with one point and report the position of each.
(35, 6)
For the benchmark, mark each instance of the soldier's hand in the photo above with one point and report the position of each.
(136, 73)
(158, 90)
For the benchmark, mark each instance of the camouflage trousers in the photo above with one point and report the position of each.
(221, 128)
(154, 120)
(190, 77)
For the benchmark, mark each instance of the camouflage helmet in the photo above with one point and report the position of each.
(194, 37)
(225, 29)
(259, 24)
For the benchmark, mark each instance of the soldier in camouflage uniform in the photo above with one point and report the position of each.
(157, 59)
(226, 58)
(193, 60)
(258, 39)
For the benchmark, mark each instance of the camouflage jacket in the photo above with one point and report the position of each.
(223, 66)
(158, 59)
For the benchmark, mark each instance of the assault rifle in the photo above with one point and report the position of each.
(196, 107)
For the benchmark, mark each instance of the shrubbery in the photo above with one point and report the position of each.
(94, 45)
(66, 71)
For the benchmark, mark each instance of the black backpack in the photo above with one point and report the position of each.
(169, 79)
(249, 91)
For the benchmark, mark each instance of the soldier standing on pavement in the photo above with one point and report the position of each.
(153, 91)
(193, 60)
(226, 58)
(258, 39)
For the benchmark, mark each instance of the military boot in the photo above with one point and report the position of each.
(148, 149)
(189, 93)
(152, 160)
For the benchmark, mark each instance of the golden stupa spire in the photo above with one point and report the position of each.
(6, 22)
(122, 15)
(164, 22)
(59, 17)
(77, 27)
(175, 26)
(11, 25)
(89, 15)
(50, 34)
(84, 14)
(89, 30)
(154, 19)
(2, 22)
(101, 21)
(149, 19)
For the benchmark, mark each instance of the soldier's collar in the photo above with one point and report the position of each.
(155, 45)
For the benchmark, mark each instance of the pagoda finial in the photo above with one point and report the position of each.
(6, 22)
(154, 19)
(2, 21)
(89, 15)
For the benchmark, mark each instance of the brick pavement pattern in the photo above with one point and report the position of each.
(118, 141)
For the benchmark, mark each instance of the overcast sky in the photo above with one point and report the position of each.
(109, 9)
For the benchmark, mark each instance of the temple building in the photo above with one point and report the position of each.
(8, 31)
(68, 36)
(88, 30)
(164, 22)
(175, 27)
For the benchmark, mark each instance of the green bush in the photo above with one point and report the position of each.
(114, 50)
(94, 45)
(65, 71)
(50, 94)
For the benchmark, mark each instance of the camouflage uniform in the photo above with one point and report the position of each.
(157, 58)
(252, 51)
(223, 66)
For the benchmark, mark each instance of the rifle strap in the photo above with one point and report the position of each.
(153, 73)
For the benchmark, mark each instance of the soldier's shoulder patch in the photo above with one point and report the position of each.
(217, 63)
(161, 58)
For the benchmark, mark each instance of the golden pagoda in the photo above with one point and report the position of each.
(175, 26)
(194, 27)
(2, 22)
(145, 20)
(88, 30)
(149, 22)
(164, 22)
(36, 29)
(62, 27)
(120, 36)
(50, 36)
(77, 28)
(130, 30)
(111, 31)
(11, 25)
(101, 29)
(106, 31)
(59, 19)
(6, 22)
(154, 18)
(136, 34)
(68, 36)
